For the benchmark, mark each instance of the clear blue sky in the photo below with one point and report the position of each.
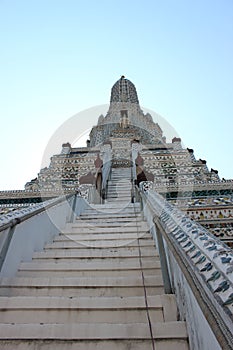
(61, 57)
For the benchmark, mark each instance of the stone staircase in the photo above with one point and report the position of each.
(119, 186)
(98, 285)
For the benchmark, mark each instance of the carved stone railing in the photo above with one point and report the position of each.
(205, 263)
(8, 220)
(24, 230)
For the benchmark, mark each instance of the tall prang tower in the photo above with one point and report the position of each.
(129, 138)
(125, 119)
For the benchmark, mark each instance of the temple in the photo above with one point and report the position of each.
(174, 171)
(137, 251)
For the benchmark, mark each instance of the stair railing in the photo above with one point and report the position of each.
(25, 230)
(197, 267)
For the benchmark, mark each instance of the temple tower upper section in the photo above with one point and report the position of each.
(125, 113)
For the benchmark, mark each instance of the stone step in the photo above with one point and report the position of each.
(103, 233)
(81, 287)
(86, 260)
(83, 310)
(109, 206)
(165, 301)
(81, 291)
(119, 178)
(123, 177)
(122, 249)
(105, 205)
(123, 187)
(61, 269)
(114, 224)
(106, 344)
(67, 243)
(91, 252)
(123, 201)
(127, 175)
(119, 171)
(95, 230)
(88, 273)
(111, 213)
(119, 188)
(103, 245)
(102, 224)
(77, 316)
(118, 237)
(111, 220)
(118, 185)
(80, 282)
(122, 246)
(92, 265)
(116, 182)
(113, 216)
(107, 244)
(83, 331)
(117, 197)
(122, 171)
(116, 192)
